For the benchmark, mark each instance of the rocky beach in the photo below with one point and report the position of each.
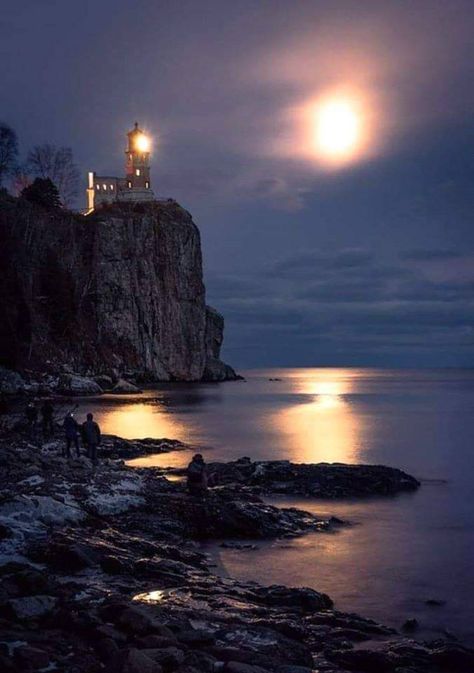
(102, 569)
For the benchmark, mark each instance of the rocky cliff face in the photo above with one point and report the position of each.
(118, 290)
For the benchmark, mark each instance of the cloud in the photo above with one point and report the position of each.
(349, 302)
(429, 255)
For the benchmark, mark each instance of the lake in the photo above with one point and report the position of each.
(399, 552)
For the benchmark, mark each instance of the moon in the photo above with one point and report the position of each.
(337, 129)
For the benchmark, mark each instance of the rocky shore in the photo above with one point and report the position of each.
(102, 571)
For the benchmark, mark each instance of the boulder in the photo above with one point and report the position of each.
(104, 381)
(71, 384)
(31, 607)
(133, 660)
(11, 383)
(124, 387)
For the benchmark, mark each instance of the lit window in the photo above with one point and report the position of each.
(104, 187)
(130, 156)
(129, 185)
(137, 171)
(147, 185)
(97, 186)
(112, 188)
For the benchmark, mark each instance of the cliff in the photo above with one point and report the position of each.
(118, 291)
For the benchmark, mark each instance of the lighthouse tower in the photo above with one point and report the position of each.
(135, 186)
(137, 165)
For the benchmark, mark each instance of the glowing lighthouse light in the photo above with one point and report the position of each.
(142, 143)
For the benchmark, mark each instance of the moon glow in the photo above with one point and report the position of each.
(337, 129)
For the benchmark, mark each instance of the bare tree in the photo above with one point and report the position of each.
(57, 164)
(8, 151)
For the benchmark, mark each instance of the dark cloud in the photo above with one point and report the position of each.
(427, 255)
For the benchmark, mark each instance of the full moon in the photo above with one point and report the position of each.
(337, 129)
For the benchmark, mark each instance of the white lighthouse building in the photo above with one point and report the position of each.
(135, 186)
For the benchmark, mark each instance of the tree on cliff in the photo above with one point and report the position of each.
(43, 192)
(8, 151)
(57, 164)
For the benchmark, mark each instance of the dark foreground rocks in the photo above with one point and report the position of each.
(101, 571)
(322, 480)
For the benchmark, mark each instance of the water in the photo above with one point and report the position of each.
(400, 552)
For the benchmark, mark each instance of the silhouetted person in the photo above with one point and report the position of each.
(31, 413)
(47, 412)
(91, 437)
(71, 428)
(197, 476)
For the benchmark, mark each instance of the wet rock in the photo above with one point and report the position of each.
(133, 620)
(125, 387)
(30, 658)
(133, 660)
(322, 480)
(107, 649)
(238, 667)
(11, 383)
(305, 599)
(196, 637)
(154, 641)
(31, 607)
(453, 658)
(104, 381)
(369, 661)
(72, 384)
(167, 657)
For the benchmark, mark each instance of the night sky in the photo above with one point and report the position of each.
(368, 262)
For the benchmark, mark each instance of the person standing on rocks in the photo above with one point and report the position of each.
(31, 414)
(47, 413)
(197, 476)
(91, 437)
(71, 428)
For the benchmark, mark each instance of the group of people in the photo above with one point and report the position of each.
(46, 411)
(88, 432)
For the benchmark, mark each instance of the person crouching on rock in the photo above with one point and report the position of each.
(91, 437)
(197, 476)
(71, 428)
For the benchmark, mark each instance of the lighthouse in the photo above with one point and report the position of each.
(135, 186)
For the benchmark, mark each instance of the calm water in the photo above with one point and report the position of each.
(399, 552)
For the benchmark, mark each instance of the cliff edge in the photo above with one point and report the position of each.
(120, 290)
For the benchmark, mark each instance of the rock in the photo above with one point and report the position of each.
(135, 621)
(107, 649)
(410, 624)
(31, 607)
(435, 602)
(104, 381)
(321, 480)
(369, 661)
(11, 383)
(453, 658)
(238, 667)
(167, 657)
(27, 657)
(123, 386)
(71, 384)
(133, 661)
(303, 598)
(196, 637)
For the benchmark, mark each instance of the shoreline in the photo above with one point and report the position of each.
(107, 573)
